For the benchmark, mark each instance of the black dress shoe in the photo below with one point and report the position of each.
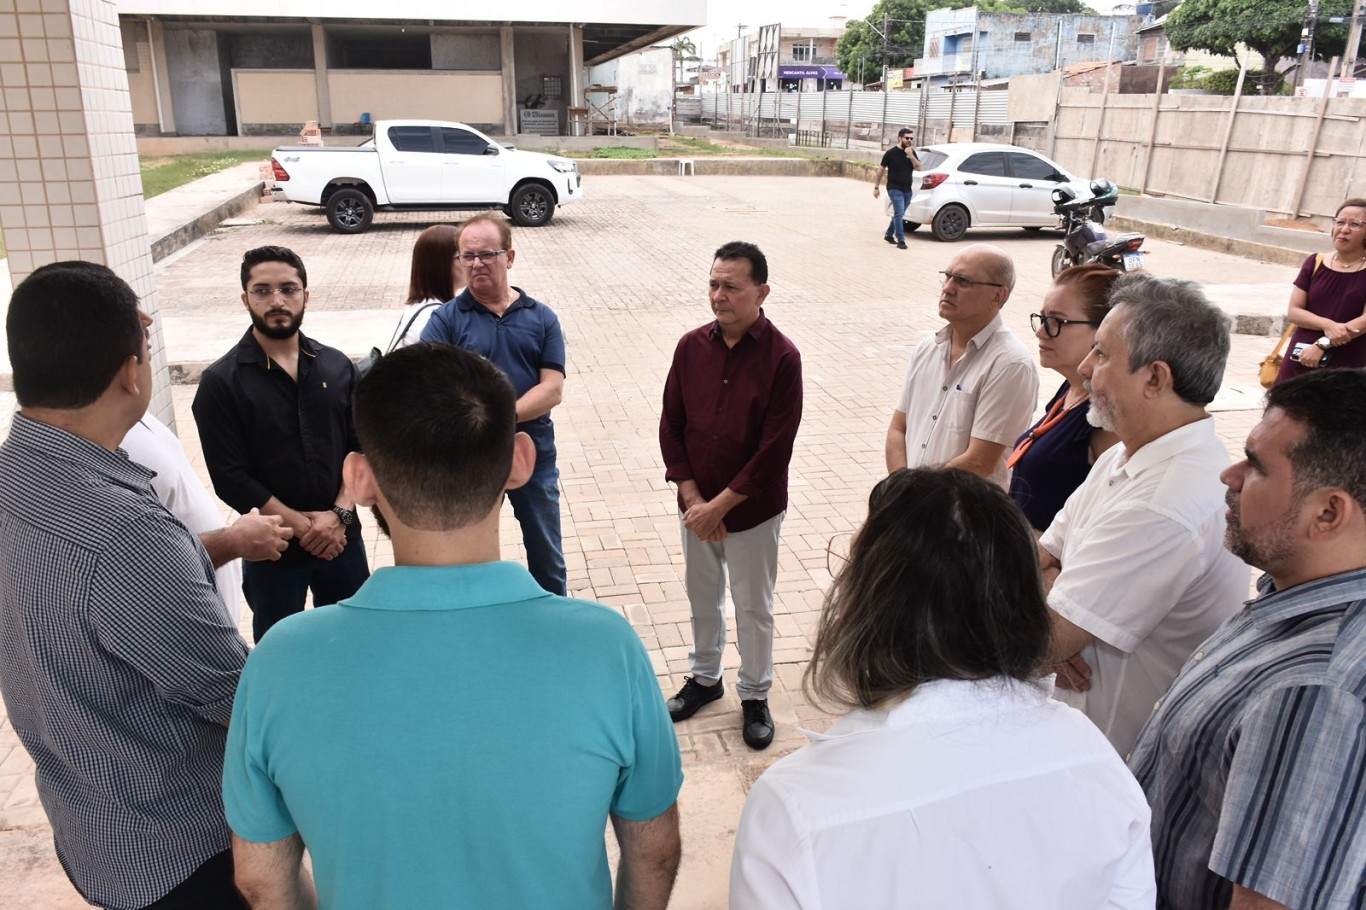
(901, 245)
(889, 238)
(758, 729)
(692, 696)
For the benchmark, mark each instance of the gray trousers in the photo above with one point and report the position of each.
(751, 560)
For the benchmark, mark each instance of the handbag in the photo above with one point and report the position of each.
(1271, 365)
(367, 363)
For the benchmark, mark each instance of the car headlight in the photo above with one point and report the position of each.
(564, 167)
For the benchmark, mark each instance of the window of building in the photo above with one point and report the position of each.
(1084, 38)
(552, 88)
(803, 53)
(1022, 37)
(386, 50)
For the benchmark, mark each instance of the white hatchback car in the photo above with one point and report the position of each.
(979, 184)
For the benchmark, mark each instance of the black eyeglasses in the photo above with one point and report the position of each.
(1053, 325)
(967, 283)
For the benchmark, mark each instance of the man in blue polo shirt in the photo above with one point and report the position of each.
(416, 738)
(522, 337)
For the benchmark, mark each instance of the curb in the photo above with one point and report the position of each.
(180, 237)
(1248, 249)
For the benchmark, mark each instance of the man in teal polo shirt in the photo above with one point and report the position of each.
(452, 735)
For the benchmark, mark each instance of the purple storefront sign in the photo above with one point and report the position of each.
(810, 72)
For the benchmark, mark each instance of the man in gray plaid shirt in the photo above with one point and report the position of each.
(1255, 759)
(118, 664)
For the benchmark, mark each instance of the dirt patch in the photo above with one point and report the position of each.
(1292, 224)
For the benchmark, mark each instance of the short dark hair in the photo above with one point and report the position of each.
(942, 583)
(434, 253)
(253, 258)
(1332, 406)
(903, 131)
(437, 425)
(71, 326)
(739, 249)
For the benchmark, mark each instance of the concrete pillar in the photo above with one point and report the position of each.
(576, 71)
(70, 187)
(509, 81)
(320, 76)
(156, 36)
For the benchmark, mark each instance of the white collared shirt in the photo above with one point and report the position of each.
(1144, 570)
(990, 393)
(965, 796)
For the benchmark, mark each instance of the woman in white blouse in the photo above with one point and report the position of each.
(953, 781)
(437, 276)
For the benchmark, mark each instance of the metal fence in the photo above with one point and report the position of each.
(848, 119)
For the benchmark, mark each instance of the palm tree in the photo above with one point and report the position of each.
(684, 52)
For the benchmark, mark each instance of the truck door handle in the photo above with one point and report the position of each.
(969, 183)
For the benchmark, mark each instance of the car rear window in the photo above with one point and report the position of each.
(930, 159)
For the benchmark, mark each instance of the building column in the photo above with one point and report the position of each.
(576, 71)
(70, 187)
(507, 52)
(156, 38)
(320, 76)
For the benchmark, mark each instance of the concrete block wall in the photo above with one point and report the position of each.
(70, 187)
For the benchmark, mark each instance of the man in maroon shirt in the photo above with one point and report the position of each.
(732, 404)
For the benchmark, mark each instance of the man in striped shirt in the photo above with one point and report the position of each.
(118, 664)
(1255, 759)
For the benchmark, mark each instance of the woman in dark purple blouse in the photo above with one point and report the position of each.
(1328, 303)
(1054, 456)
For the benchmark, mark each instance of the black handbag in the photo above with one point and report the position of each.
(367, 363)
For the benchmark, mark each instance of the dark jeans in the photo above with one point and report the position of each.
(275, 590)
(210, 887)
(537, 507)
(900, 199)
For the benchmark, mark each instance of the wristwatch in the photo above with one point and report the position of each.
(1324, 343)
(346, 515)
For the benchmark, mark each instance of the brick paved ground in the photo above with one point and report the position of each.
(626, 271)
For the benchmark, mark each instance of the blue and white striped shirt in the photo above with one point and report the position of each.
(1254, 761)
(117, 665)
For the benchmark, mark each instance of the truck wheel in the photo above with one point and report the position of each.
(532, 205)
(349, 211)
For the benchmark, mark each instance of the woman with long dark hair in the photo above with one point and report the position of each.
(437, 276)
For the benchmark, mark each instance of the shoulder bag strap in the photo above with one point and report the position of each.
(404, 334)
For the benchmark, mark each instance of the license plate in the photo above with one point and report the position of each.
(1133, 261)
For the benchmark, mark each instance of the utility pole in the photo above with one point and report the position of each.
(1307, 42)
(885, 50)
(1349, 56)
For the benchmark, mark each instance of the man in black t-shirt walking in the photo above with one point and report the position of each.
(899, 164)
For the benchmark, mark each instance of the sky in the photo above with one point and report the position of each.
(724, 15)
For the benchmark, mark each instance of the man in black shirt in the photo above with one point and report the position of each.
(899, 164)
(274, 418)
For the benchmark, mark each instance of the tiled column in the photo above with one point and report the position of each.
(70, 187)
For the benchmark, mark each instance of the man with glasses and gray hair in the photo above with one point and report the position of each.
(971, 388)
(274, 419)
(1134, 564)
(521, 336)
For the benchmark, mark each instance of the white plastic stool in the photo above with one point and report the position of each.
(685, 167)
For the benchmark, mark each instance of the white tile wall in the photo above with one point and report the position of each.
(70, 187)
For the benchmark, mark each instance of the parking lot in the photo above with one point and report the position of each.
(626, 270)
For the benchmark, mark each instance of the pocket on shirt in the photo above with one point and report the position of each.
(959, 409)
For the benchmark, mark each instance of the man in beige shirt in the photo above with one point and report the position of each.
(971, 388)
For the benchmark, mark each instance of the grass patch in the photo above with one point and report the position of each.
(621, 152)
(170, 171)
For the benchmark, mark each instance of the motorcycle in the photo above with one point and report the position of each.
(1084, 239)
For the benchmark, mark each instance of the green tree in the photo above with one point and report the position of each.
(685, 52)
(1269, 27)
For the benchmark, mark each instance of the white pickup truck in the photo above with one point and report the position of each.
(424, 165)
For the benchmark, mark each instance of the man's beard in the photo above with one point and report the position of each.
(1275, 545)
(279, 333)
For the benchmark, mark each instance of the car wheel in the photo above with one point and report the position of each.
(950, 223)
(349, 211)
(910, 226)
(532, 205)
(1061, 259)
